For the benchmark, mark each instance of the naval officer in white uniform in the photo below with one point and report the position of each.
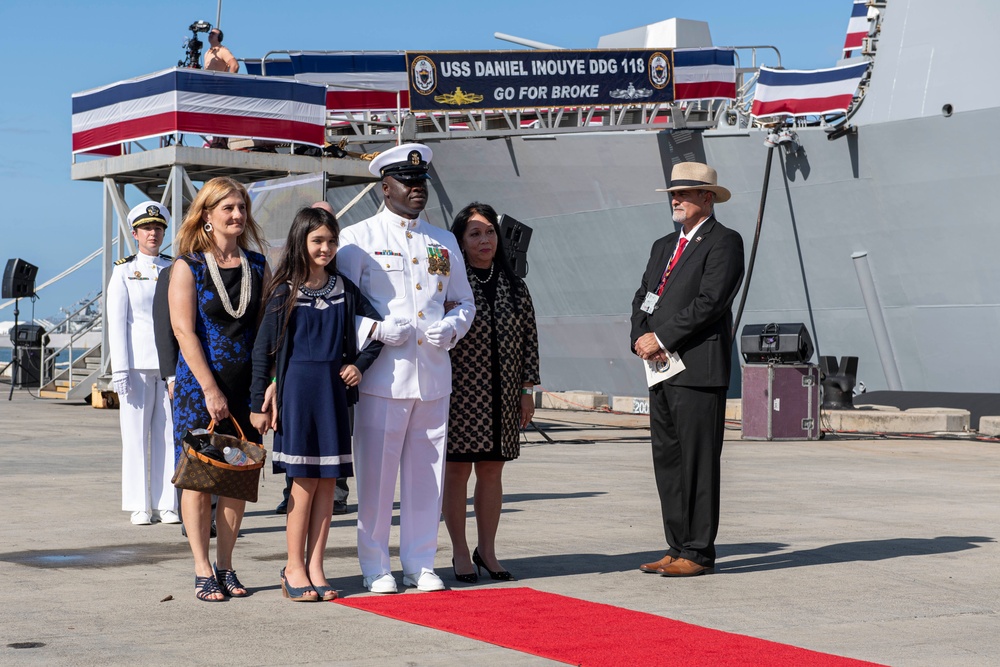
(147, 428)
(408, 269)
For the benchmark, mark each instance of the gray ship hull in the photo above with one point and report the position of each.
(912, 194)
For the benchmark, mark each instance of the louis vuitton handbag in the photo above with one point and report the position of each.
(203, 468)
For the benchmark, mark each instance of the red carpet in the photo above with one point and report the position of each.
(584, 633)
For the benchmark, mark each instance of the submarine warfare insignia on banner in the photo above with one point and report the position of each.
(438, 261)
(630, 93)
(458, 98)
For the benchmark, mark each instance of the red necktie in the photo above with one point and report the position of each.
(670, 267)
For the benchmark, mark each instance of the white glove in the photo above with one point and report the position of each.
(119, 379)
(394, 331)
(440, 334)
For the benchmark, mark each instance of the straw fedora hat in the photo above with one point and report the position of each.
(696, 176)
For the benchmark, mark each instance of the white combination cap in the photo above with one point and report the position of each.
(405, 162)
(147, 212)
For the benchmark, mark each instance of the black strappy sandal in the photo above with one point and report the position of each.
(205, 587)
(229, 582)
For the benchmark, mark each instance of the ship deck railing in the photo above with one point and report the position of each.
(373, 125)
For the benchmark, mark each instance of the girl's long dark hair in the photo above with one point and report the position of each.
(293, 266)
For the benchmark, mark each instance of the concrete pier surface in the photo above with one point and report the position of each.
(881, 550)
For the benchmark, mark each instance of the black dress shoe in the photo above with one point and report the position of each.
(502, 575)
(282, 507)
(340, 507)
(470, 578)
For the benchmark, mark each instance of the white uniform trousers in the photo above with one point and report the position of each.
(147, 444)
(407, 436)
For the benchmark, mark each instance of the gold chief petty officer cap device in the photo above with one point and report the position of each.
(406, 162)
(148, 212)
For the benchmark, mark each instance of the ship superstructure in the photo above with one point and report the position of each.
(852, 233)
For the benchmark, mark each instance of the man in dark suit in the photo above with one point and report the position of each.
(684, 306)
(163, 333)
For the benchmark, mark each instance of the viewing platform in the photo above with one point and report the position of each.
(150, 169)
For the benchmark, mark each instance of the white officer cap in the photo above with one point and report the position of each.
(147, 212)
(404, 162)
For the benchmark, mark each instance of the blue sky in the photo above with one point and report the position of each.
(54, 49)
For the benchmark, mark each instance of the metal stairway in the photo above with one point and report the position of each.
(73, 379)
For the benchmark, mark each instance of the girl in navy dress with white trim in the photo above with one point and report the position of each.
(307, 347)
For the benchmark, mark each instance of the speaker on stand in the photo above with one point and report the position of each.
(18, 282)
(19, 279)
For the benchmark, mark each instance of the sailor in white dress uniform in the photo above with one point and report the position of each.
(408, 269)
(146, 425)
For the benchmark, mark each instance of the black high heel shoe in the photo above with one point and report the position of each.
(469, 578)
(502, 575)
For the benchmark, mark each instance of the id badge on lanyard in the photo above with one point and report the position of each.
(649, 303)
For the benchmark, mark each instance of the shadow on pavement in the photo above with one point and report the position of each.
(850, 552)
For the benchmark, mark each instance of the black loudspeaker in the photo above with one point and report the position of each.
(29, 367)
(28, 335)
(515, 236)
(776, 343)
(18, 279)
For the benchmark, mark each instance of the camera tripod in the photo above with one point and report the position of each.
(192, 52)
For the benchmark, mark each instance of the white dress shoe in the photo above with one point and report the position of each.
(169, 516)
(425, 581)
(141, 518)
(381, 583)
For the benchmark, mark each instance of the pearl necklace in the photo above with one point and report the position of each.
(488, 278)
(220, 287)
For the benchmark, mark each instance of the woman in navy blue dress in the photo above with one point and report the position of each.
(215, 296)
(307, 346)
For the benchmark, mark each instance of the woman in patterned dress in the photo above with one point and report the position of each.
(494, 370)
(215, 296)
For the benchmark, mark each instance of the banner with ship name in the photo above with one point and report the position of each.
(466, 80)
